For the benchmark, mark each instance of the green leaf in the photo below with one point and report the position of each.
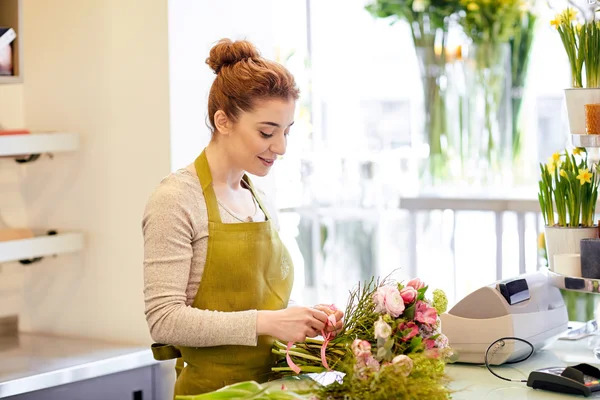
(421, 293)
(409, 312)
(389, 344)
(416, 344)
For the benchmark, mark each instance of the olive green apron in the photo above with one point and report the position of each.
(247, 268)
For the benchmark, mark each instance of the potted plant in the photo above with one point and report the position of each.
(568, 191)
(581, 41)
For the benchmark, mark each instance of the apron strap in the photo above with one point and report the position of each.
(164, 352)
(179, 366)
(257, 197)
(203, 171)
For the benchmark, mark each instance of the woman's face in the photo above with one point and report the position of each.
(259, 136)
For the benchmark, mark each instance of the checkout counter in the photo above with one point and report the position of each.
(35, 367)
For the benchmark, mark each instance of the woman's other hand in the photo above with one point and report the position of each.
(332, 310)
(292, 324)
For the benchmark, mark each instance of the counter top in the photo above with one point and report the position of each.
(31, 362)
(476, 382)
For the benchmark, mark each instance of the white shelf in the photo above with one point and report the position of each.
(586, 140)
(38, 143)
(40, 246)
(10, 79)
(574, 283)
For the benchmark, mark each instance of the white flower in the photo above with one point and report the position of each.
(403, 363)
(382, 329)
(419, 5)
(441, 341)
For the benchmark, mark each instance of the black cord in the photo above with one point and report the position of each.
(501, 341)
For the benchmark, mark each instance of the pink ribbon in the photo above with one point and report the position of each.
(292, 365)
(331, 320)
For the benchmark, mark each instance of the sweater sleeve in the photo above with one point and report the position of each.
(169, 232)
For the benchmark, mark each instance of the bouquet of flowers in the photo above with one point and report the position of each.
(391, 346)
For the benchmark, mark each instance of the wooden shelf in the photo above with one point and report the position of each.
(38, 143)
(11, 15)
(47, 245)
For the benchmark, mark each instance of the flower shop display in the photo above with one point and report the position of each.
(429, 22)
(521, 44)
(568, 191)
(581, 41)
(391, 346)
(490, 25)
(474, 57)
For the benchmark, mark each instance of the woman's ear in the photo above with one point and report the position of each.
(222, 122)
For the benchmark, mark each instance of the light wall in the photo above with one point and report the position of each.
(137, 96)
(95, 68)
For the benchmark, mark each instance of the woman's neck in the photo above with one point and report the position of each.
(222, 168)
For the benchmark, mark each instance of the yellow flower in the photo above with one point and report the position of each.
(472, 7)
(577, 150)
(584, 176)
(563, 173)
(551, 166)
(541, 241)
(570, 14)
(556, 22)
(556, 157)
(578, 28)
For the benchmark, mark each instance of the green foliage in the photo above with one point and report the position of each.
(426, 381)
(572, 187)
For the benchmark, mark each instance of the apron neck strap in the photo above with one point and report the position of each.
(257, 197)
(205, 177)
(212, 206)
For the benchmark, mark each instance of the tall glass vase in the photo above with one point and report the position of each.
(432, 65)
(489, 128)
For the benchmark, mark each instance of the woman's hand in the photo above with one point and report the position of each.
(292, 324)
(339, 315)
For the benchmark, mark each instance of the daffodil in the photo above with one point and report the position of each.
(584, 176)
(541, 241)
(556, 22)
(556, 157)
(551, 167)
(577, 150)
(563, 173)
(472, 7)
(570, 14)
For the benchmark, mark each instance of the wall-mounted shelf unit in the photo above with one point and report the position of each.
(11, 15)
(37, 143)
(40, 246)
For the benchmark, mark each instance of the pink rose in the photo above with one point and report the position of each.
(432, 353)
(411, 327)
(416, 283)
(429, 343)
(409, 294)
(387, 299)
(361, 348)
(372, 364)
(425, 314)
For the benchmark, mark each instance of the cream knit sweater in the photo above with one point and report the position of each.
(175, 230)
